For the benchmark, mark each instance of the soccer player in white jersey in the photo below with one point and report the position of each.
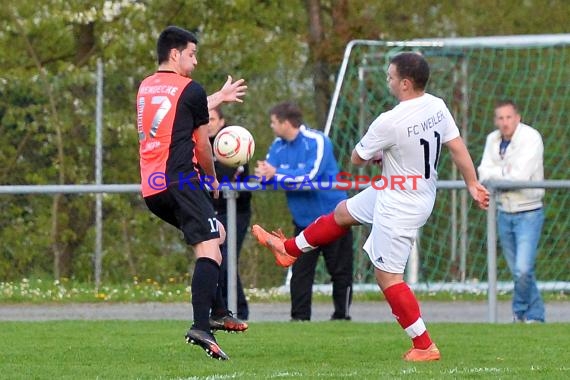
(409, 139)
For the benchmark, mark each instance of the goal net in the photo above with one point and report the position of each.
(470, 74)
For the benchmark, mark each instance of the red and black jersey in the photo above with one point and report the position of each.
(169, 108)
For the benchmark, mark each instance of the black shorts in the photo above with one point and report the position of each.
(189, 210)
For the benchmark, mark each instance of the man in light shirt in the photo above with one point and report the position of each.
(515, 152)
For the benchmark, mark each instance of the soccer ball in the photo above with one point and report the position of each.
(234, 146)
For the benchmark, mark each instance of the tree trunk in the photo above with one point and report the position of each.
(317, 57)
(84, 42)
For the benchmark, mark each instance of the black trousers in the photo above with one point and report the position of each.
(242, 225)
(338, 258)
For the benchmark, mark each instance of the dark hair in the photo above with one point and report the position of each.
(507, 102)
(412, 66)
(173, 37)
(288, 111)
(219, 111)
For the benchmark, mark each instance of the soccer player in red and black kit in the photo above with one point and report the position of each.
(172, 123)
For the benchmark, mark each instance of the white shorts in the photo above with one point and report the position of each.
(361, 206)
(388, 247)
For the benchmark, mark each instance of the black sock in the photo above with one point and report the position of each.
(204, 284)
(219, 308)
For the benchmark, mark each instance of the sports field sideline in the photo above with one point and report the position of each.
(433, 311)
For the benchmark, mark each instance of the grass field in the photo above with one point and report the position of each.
(326, 350)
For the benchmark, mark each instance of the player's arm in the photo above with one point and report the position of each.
(462, 159)
(356, 159)
(359, 161)
(230, 92)
(369, 149)
(203, 151)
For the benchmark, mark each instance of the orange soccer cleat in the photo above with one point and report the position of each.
(275, 242)
(429, 354)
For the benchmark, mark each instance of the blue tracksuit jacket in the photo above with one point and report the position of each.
(307, 158)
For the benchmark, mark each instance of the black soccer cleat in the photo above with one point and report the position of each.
(228, 323)
(207, 341)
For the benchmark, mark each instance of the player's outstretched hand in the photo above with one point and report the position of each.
(233, 91)
(480, 195)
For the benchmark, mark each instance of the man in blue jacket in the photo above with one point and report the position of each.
(302, 155)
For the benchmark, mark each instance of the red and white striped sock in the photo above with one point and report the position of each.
(321, 232)
(406, 309)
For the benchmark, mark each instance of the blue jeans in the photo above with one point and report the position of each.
(519, 234)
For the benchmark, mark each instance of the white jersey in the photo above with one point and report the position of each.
(410, 137)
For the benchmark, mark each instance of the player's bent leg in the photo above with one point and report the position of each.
(323, 231)
(222, 231)
(342, 216)
(360, 207)
(209, 249)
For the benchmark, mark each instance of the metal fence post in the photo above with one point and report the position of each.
(231, 236)
(492, 255)
(98, 257)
